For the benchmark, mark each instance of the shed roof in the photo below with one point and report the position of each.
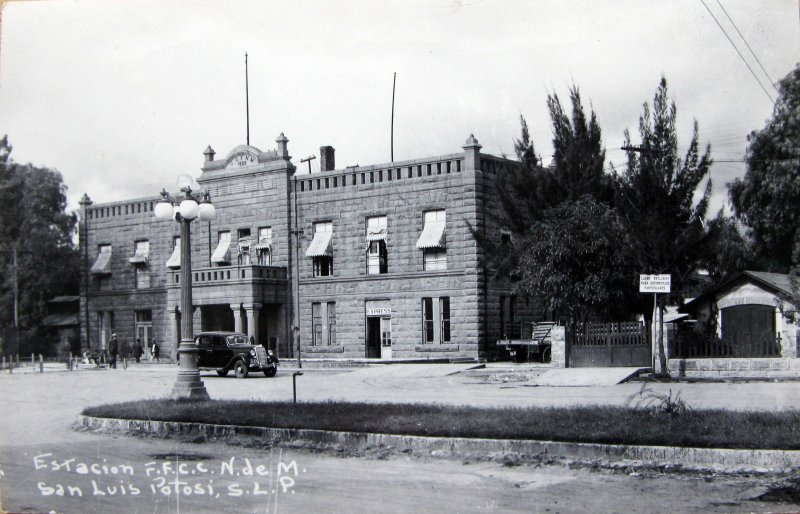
(776, 283)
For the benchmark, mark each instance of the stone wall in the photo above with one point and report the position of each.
(735, 368)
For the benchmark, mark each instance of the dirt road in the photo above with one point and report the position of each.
(46, 466)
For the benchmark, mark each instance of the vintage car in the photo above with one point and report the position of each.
(226, 351)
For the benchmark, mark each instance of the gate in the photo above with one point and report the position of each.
(609, 345)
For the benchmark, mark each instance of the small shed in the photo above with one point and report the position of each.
(753, 328)
(62, 325)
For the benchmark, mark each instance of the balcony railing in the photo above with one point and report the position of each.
(230, 274)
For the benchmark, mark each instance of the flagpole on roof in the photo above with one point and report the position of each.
(247, 97)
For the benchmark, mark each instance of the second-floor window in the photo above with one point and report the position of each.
(222, 254)
(432, 241)
(377, 258)
(243, 246)
(102, 266)
(320, 250)
(139, 260)
(174, 261)
(263, 247)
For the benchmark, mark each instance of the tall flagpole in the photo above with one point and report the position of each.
(394, 81)
(247, 97)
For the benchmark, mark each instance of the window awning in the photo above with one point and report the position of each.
(222, 254)
(244, 244)
(174, 261)
(141, 256)
(432, 236)
(60, 320)
(321, 245)
(102, 266)
(377, 235)
(264, 244)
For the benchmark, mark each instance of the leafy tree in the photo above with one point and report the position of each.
(578, 153)
(524, 192)
(655, 193)
(527, 192)
(767, 199)
(726, 251)
(37, 234)
(572, 261)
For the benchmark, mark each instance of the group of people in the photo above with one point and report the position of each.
(117, 350)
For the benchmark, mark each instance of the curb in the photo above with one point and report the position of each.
(699, 459)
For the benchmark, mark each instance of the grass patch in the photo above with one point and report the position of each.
(645, 424)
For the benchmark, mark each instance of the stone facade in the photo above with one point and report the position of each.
(331, 298)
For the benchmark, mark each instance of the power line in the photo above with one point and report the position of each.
(738, 52)
(772, 82)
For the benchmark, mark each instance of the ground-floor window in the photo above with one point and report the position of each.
(323, 323)
(436, 320)
(331, 323)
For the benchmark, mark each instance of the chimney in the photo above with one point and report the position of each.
(327, 160)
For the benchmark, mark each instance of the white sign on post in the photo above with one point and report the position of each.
(655, 283)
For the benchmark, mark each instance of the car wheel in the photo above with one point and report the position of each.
(546, 355)
(240, 368)
(222, 372)
(270, 372)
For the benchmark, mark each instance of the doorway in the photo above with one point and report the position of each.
(379, 337)
(373, 338)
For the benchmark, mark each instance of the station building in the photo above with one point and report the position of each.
(375, 262)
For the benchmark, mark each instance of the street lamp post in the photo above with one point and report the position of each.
(187, 384)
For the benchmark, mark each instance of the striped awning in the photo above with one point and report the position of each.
(244, 244)
(174, 261)
(264, 244)
(378, 235)
(321, 245)
(141, 256)
(222, 254)
(432, 236)
(102, 266)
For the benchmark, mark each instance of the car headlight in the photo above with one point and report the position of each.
(252, 353)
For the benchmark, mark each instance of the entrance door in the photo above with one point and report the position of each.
(749, 331)
(386, 338)
(373, 338)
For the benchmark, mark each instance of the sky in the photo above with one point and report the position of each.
(122, 96)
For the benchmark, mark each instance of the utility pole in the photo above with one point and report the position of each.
(297, 234)
(16, 299)
(308, 160)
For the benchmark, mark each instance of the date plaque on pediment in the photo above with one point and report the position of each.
(241, 160)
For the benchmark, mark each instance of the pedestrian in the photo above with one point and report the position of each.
(113, 349)
(138, 351)
(154, 349)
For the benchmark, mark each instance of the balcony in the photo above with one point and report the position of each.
(233, 284)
